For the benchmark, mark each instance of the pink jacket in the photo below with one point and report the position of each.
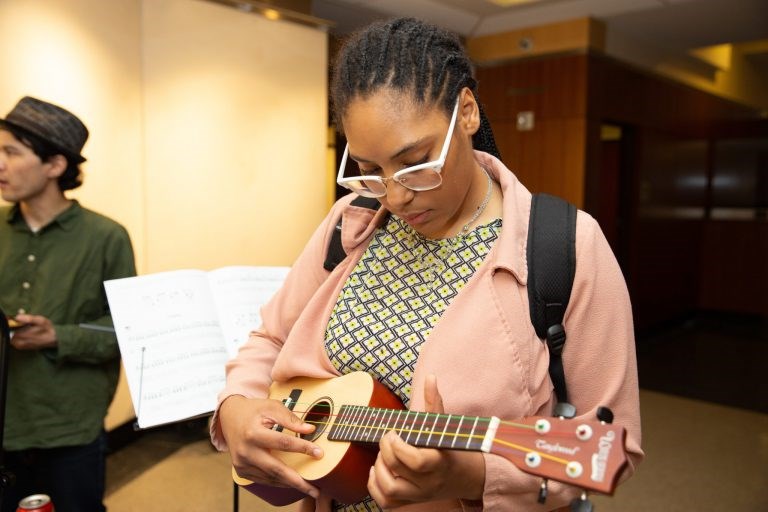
(484, 350)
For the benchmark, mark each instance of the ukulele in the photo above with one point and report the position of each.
(352, 413)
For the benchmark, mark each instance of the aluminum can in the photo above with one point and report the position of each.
(36, 503)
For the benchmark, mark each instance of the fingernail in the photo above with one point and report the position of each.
(317, 452)
(314, 493)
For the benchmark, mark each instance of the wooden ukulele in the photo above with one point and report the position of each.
(353, 412)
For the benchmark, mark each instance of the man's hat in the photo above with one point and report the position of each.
(51, 123)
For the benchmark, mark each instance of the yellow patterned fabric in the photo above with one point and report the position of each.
(393, 299)
(395, 296)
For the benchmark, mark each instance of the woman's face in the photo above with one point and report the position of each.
(388, 131)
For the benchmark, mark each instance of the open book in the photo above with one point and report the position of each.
(176, 330)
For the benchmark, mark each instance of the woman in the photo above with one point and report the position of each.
(431, 299)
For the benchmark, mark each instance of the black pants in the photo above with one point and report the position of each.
(72, 476)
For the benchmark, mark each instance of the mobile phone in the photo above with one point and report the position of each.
(14, 324)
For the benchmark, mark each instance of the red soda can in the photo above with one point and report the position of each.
(36, 503)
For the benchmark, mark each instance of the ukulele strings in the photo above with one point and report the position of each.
(453, 420)
(504, 425)
(504, 446)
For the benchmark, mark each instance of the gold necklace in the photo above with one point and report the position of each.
(431, 257)
(435, 261)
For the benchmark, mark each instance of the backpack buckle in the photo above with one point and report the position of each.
(556, 339)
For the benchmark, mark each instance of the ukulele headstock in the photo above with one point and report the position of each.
(586, 454)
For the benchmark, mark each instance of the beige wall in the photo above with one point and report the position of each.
(87, 58)
(235, 110)
(208, 125)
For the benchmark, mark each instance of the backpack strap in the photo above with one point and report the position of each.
(551, 266)
(335, 252)
(551, 258)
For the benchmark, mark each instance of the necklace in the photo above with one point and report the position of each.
(480, 209)
(432, 257)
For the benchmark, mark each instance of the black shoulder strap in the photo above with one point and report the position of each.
(335, 252)
(551, 267)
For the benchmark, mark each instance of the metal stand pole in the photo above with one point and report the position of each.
(7, 478)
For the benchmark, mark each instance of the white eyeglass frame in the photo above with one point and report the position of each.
(437, 165)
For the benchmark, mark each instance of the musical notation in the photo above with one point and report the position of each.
(177, 329)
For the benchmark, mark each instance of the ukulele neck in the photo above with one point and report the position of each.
(426, 430)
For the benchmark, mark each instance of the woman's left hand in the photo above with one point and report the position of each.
(404, 474)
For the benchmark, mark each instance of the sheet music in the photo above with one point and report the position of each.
(239, 293)
(172, 340)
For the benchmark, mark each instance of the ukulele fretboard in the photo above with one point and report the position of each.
(360, 424)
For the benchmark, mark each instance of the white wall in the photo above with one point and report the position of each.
(208, 125)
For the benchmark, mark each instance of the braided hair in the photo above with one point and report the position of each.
(411, 56)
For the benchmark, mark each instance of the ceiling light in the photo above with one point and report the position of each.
(510, 3)
(271, 14)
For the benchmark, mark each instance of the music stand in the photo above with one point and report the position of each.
(6, 477)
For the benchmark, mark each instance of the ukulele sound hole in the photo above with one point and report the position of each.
(319, 415)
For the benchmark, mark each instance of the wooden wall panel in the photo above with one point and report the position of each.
(669, 252)
(550, 157)
(557, 37)
(733, 268)
(664, 269)
(652, 198)
(552, 87)
(625, 94)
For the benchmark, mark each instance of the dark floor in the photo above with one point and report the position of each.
(715, 357)
(133, 452)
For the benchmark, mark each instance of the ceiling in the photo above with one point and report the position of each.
(647, 32)
(680, 23)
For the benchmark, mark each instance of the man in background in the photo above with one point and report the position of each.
(64, 359)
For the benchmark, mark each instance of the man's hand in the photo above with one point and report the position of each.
(37, 332)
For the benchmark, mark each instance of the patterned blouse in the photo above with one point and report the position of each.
(393, 299)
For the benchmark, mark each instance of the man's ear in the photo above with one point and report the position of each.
(469, 111)
(57, 164)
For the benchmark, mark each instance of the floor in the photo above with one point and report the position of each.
(716, 357)
(705, 432)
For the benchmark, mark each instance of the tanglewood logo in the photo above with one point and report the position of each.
(600, 459)
(556, 448)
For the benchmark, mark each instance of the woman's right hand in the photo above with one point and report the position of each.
(247, 428)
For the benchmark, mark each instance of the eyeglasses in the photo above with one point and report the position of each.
(419, 177)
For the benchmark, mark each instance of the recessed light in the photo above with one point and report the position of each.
(271, 14)
(510, 3)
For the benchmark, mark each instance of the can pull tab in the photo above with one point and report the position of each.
(36, 503)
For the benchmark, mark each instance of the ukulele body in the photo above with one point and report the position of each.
(343, 470)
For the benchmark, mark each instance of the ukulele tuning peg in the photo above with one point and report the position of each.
(581, 504)
(543, 491)
(605, 415)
